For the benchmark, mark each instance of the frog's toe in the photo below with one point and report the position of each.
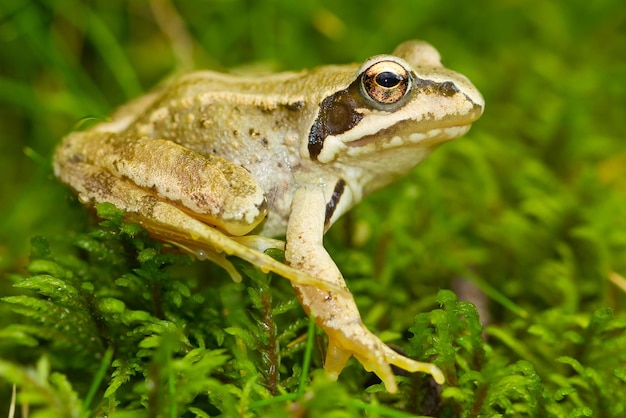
(371, 357)
(336, 359)
(380, 366)
(375, 356)
(411, 365)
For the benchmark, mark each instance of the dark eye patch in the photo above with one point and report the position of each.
(337, 115)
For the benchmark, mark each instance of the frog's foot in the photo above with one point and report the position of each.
(260, 243)
(373, 354)
(208, 253)
(255, 242)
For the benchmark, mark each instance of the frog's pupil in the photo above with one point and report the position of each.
(388, 79)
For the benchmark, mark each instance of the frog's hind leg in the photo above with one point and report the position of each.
(213, 256)
(260, 243)
(255, 242)
(170, 224)
(208, 187)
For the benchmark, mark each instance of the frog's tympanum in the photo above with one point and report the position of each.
(219, 164)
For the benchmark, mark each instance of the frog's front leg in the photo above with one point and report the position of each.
(336, 313)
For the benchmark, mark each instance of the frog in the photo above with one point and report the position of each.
(227, 165)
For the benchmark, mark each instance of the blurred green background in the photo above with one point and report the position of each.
(531, 203)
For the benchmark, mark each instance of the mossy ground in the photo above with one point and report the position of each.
(529, 208)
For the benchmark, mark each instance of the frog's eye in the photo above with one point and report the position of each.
(385, 84)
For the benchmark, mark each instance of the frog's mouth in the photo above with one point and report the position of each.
(432, 131)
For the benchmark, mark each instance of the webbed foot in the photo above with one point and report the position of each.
(375, 356)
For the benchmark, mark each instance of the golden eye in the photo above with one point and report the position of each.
(385, 83)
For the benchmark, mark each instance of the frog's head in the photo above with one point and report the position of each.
(396, 104)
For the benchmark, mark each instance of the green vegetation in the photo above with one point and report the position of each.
(97, 319)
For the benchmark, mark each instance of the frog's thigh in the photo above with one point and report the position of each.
(210, 188)
(160, 218)
(337, 314)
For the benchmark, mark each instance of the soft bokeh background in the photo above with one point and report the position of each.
(530, 205)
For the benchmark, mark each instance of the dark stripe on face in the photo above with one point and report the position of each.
(337, 115)
(334, 201)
